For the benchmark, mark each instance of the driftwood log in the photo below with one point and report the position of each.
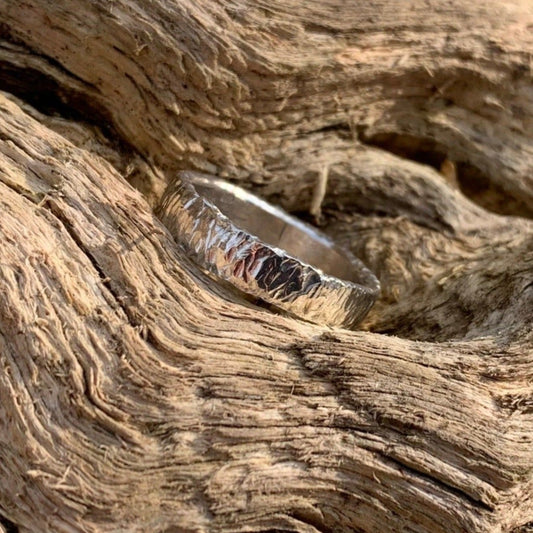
(137, 395)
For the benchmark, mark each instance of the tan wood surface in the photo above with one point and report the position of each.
(137, 395)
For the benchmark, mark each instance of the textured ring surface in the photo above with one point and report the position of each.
(265, 252)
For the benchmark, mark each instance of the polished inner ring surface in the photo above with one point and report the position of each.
(276, 228)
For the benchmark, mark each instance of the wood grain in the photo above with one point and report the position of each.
(136, 394)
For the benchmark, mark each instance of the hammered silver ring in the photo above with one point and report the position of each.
(266, 253)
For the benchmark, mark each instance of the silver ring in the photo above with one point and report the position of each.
(266, 253)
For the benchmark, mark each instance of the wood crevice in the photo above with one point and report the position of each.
(7, 526)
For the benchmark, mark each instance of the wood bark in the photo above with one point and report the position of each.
(136, 394)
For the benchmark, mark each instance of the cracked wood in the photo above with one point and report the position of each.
(138, 395)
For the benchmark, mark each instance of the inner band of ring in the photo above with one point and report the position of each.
(236, 210)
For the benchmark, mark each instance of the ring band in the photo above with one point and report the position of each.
(266, 253)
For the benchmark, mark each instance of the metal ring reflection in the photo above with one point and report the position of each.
(266, 253)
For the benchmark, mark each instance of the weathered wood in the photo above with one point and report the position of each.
(138, 395)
